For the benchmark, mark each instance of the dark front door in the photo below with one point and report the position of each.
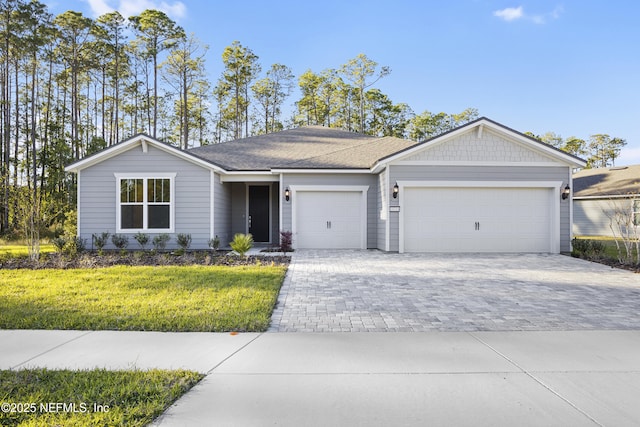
(259, 212)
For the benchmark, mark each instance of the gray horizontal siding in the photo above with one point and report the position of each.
(98, 194)
(592, 217)
(338, 179)
(480, 173)
(222, 209)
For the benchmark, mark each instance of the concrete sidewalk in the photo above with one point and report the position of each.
(579, 378)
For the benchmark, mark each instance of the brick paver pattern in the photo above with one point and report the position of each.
(351, 290)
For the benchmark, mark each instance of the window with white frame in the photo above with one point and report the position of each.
(145, 203)
(636, 212)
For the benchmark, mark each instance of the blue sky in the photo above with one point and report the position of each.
(570, 67)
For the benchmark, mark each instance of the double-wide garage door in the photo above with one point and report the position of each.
(477, 219)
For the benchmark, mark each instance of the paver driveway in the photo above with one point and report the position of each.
(328, 291)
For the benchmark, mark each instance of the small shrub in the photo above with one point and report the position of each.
(286, 240)
(588, 249)
(100, 241)
(160, 242)
(120, 241)
(79, 245)
(184, 241)
(242, 243)
(59, 243)
(214, 243)
(598, 247)
(142, 239)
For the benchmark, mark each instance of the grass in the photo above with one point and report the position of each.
(15, 250)
(159, 298)
(610, 249)
(132, 398)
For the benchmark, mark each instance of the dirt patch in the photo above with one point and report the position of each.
(93, 260)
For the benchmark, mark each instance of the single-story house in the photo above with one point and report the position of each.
(482, 187)
(601, 192)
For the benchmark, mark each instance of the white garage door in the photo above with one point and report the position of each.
(329, 219)
(477, 219)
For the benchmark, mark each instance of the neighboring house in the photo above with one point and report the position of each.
(599, 193)
(479, 188)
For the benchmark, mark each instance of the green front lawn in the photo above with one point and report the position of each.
(40, 397)
(14, 250)
(158, 298)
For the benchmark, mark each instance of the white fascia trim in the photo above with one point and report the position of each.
(555, 186)
(321, 171)
(471, 163)
(249, 177)
(172, 205)
(331, 188)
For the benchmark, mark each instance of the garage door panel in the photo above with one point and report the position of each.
(477, 219)
(329, 219)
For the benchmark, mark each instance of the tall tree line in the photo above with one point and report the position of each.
(71, 86)
(599, 150)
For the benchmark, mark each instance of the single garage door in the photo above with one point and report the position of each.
(329, 220)
(477, 219)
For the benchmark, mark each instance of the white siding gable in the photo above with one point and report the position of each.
(481, 147)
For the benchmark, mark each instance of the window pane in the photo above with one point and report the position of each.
(131, 216)
(139, 191)
(158, 216)
(158, 191)
(166, 190)
(123, 191)
(131, 190)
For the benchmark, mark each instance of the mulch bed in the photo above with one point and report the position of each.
(613, 263)
(93, 260)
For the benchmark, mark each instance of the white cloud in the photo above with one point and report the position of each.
(510, 13)
(175, 10)
(99, 7)
(514, 13)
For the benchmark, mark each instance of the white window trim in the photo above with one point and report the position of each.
(146, 176)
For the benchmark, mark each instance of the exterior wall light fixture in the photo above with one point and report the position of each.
(396, 190)
(566, 192)
(287, 194)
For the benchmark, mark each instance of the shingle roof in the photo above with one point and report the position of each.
(615, 181)
(308, 147)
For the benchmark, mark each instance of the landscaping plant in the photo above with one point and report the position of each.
(214, 243)
(142, 239)
(242, 243)
(184, 241)
(160, 242)
(100, 241)
(286, 240)
(120, 241)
